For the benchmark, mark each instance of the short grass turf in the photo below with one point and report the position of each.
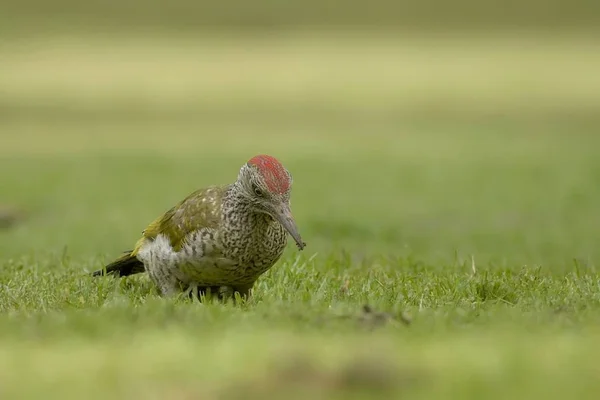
(465, 206)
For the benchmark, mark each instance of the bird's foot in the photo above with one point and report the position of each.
(209, 292)
(221, 293)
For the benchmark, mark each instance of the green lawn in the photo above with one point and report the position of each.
(452, 183)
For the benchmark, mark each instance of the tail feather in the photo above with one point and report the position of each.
(125, 265)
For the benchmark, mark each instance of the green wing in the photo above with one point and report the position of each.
(201, 209)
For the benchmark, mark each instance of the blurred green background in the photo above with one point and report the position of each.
(268, 14)
(422, 137)
(411, 128)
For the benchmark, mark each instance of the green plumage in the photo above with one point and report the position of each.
(200, 209)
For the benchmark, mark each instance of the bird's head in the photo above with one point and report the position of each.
(266, 184)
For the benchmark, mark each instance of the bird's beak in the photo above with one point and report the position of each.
(283, 214)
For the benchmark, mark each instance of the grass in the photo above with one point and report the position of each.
(451, 198)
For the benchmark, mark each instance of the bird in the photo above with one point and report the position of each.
(220, 237)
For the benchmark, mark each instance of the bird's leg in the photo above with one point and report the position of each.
(243, 290)
(226, 293)
(223, 293)
(204, 291)
(192, 290)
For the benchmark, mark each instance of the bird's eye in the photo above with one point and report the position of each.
(257, 190)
